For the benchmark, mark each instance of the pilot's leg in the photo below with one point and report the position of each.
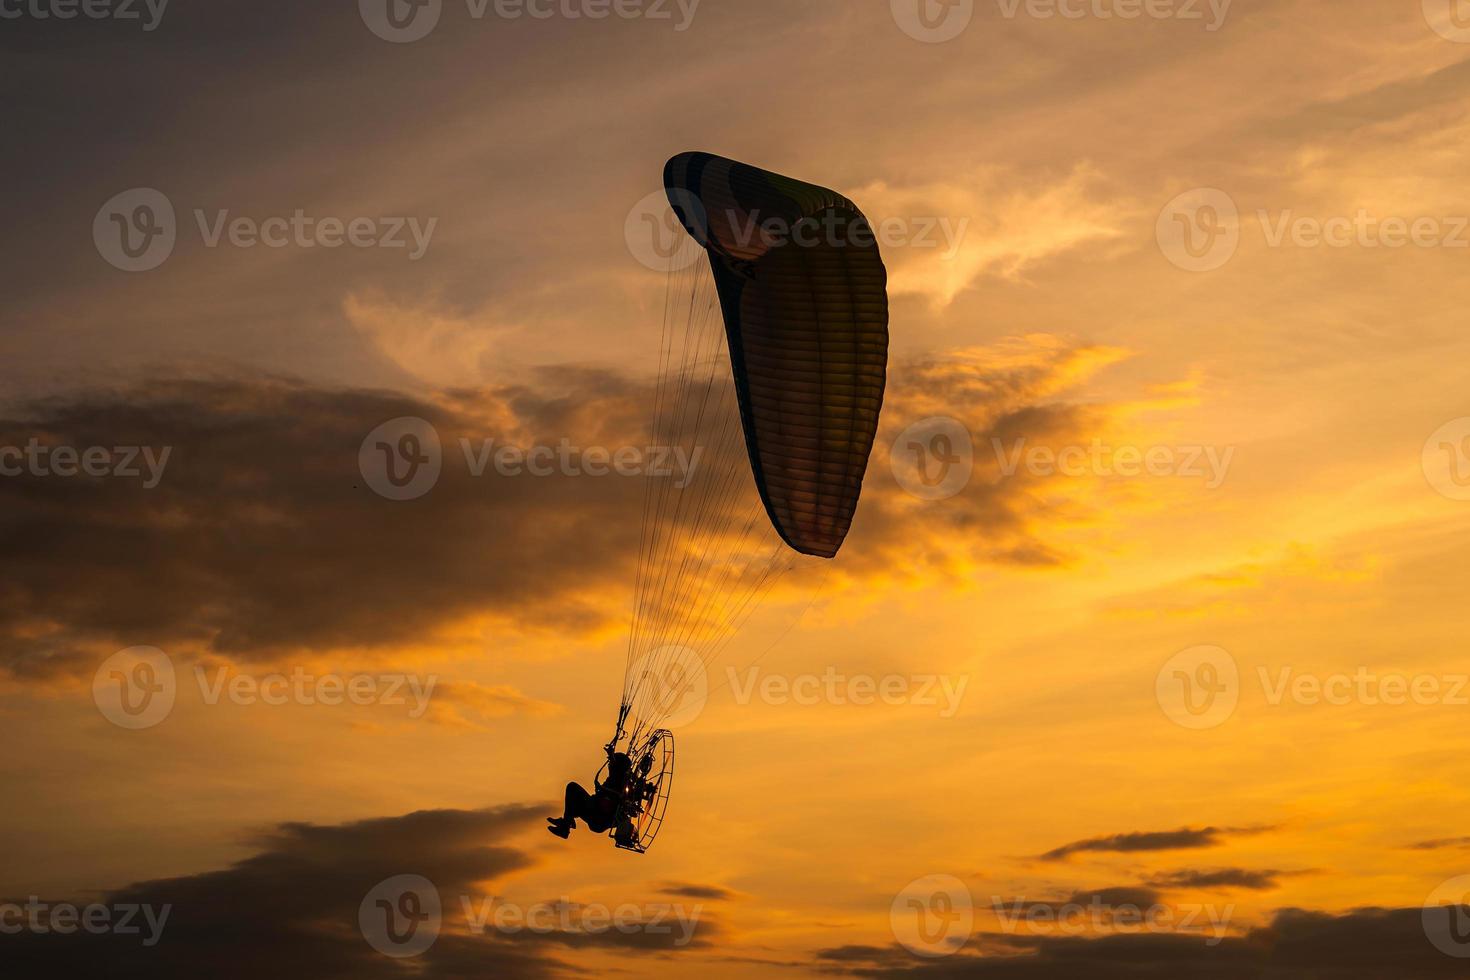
(578, 804)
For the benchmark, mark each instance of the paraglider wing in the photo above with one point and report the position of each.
(799, 302)
(803, 291)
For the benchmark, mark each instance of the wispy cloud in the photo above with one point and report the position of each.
(1185, 838)
(1366, 944)
(992, 222)
(1442, 843)
(1246, 878)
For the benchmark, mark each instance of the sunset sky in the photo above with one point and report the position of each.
(1226, 685)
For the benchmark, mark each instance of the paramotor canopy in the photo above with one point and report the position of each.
(772, 383)
(804, 295)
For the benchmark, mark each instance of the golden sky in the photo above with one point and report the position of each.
(1225, 683)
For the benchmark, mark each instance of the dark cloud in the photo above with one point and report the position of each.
(1002, 400)
(1367, 944)
(1123, 906)
(859, 954)
(292, 910)
(1125, 896)
(1159, 840)
(686, 889)
(262, 537)
(1131, 896)
(1256, 880)
(1440, 844)
(262, 540)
